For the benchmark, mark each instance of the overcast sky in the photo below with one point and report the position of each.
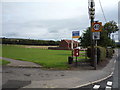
(51, 19)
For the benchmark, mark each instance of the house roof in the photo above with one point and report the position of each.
(69, 41)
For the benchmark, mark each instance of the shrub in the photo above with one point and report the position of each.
(89, 52)
(101, 53)
(109, 52)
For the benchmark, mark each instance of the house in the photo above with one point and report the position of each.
(66, 44)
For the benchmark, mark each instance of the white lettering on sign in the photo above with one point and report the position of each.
(96, 26)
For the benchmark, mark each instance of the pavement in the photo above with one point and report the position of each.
(18, 63)
(40, 78)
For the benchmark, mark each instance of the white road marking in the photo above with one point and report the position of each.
(108, 88)
(96, 86)
(111, 73)
(109, 83)
(117, 55)
(115, 61)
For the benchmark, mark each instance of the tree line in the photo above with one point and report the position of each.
(28, 42)
(105, 39)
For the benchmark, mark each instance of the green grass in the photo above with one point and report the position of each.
(46, 58)
(4, 62)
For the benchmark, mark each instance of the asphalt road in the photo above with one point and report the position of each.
(20, 77)
(116, 75)
(97, 86)
(114, 80)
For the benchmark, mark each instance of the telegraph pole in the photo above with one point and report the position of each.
(91, 7)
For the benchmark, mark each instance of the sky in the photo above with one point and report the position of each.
(51, 19)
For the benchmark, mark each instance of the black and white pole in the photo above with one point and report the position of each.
(91, 8)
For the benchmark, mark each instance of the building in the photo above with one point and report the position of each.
(66, 44)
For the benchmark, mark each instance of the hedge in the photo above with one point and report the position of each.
(101, 53)
(109, 52)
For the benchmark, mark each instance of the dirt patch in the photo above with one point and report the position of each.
(42, 47)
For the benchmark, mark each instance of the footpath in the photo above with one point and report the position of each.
(18, 63)
(69, 78)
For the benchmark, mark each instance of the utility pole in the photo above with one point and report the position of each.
(91, 7)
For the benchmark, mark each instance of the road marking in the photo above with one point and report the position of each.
(117, 55)
(115, 61)
(94, 81)
(111, 73)
(108, 88)
(109, 83)
(96, 86)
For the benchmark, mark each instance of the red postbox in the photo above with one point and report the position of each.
(76, 52)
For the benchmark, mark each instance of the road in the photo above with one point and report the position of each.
(111, 83)
(14, 77)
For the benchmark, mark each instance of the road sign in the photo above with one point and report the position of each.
(96, 35)
(96, 26)
(75, 34)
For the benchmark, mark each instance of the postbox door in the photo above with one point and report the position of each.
(76, 52)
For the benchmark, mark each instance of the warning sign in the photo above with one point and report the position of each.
(96, 26)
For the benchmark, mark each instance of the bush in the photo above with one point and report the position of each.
(109, 52)
(89, 52)
(101, 53)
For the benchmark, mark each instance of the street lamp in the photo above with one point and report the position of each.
(91, 8)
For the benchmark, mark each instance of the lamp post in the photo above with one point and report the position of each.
(91, 8)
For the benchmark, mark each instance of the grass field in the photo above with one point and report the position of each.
(46, 58)
(4, 62)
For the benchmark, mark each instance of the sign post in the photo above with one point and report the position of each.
(96, 29)
(75, 34)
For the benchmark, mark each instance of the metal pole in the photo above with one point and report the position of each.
(96, 55)
(72, 47)
(72, 44)
(76, 61)
(92, 45)
(91, 13)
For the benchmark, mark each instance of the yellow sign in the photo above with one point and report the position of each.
(96, 26)
(75, 36)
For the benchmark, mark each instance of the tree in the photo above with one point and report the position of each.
(108, 28)
(111, 27)
(85, 39)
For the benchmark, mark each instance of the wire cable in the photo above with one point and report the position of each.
(102, 11)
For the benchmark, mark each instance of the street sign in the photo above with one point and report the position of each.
(96, 35)
(96, 26)
(75, 34)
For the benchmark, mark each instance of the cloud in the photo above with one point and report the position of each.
(51, 19)
(49, 29)
(12, 34)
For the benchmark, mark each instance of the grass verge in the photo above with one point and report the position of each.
(4, 62)
(46, 58)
